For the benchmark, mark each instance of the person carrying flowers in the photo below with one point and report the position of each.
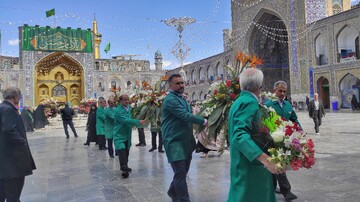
(251, 176)
(284, 109)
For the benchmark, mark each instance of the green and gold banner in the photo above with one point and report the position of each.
(56, 39)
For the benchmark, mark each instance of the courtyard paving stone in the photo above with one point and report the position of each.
(69, 171)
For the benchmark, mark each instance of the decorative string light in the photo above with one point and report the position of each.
(246, 5)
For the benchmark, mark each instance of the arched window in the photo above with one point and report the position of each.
(202, 74)
(219, 71)
(321, 50)
(193, 77)
(210, 73)
(346, 42)
(193, 96)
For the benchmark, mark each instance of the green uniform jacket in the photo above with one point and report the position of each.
(250, 180)
(100, 121)
(123, 127)
(109, 122)
(177, 130)
(287, 111)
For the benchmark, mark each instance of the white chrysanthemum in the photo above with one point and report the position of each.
(278, 135)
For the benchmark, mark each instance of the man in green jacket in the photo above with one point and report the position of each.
(122, 132)
(109, 125)
(178, 138)
(251, 178)
(284, 109)
(100, 123)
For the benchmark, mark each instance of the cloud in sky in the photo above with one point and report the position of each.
(13, 42)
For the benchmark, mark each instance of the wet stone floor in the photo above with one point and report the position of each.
(69, 171)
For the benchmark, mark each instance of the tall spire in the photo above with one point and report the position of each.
(97, 39)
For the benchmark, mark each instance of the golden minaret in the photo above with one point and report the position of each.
(97, 39)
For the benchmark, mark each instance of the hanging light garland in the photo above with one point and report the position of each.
(246, 5)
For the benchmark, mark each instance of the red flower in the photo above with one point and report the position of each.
(288, 130)
(232, 96)
(310, 143)
(296, 164)
(216, 91)
(228, 83)
(309, 162)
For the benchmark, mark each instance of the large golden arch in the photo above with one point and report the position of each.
(59, 76)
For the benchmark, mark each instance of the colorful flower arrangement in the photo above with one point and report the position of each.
(223, 94)
(291, 148)
(147, 106)
(85, 104)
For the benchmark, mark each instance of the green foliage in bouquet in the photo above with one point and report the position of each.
(147, 106)
(223, 94)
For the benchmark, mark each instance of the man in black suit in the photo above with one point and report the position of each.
(16, 160)
(316, 112)
(67, 115)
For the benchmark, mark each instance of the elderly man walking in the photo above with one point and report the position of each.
(251, 176)
(284, 109)
(316, 112)
(178, 138)
(16, 160)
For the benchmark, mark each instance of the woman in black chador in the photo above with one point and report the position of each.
(40, 120)
(91, 125)
(354, 103)
(27, 120)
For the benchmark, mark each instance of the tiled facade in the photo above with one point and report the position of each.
(301, 47)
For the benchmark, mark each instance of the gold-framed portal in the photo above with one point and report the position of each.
(59, 76)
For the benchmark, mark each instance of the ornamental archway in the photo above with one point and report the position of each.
(269, 41)
(59, 76)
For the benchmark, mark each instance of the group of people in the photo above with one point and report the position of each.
(253, 177)
(34, 119)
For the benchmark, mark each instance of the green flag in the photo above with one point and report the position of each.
(50, 13)
(107, 48)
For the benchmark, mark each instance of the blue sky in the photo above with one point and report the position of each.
(131, 26)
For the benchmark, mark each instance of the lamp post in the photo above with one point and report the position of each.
(180, 50)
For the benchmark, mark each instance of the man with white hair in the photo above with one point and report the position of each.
(316, 112)
(16, 160)
(251, 176)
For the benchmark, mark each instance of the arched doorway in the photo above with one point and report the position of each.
(59, 76)
(323, 91)
(348, 86)
(269, 41)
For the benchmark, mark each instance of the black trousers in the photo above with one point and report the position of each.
(317, 120)
(124, 156)
(141, 136)
(178, 187)
(71, 124)
(10, 189)
(101, 141)
(153, 140)
(284, 183)
(110, 147)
